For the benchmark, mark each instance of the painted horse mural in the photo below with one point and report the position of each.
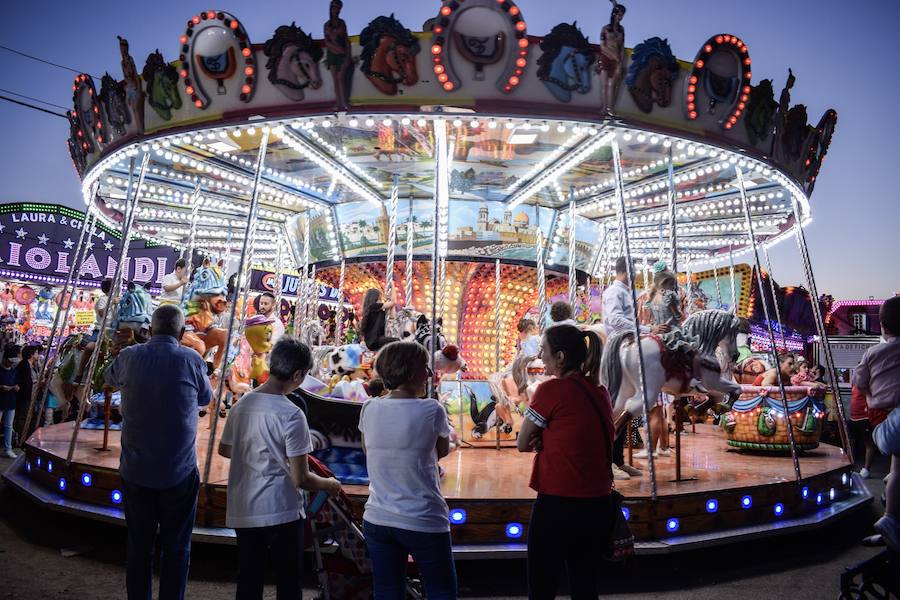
(161, 80)
(112, 99)
(388, 57)
(667, 371)
(651, 74)
(565, 65)
(293, 63)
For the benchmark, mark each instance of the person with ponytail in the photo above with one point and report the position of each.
(374, 320)
(569, 424)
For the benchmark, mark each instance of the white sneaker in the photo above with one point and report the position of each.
(664, 452)
(641, 454)
(9, 454)
(864, 473)
(619, 473)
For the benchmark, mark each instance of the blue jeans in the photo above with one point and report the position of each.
(8, 417)
(172, 510)
(389, 548)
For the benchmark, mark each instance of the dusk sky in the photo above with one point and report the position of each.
(844, 55)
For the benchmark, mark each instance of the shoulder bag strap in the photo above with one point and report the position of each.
(590, 399)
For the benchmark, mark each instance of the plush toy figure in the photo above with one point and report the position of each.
(447, 360)
(345, 360)
(258, 335)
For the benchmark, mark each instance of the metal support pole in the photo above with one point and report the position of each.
(339, 317)
(116, 289)
(497, 362)
(673, 234)
(441, 191)
(392, 238)
(313, 290)
(189, 250)
(572, 275)
(443, 291)
(410, 241)
(300, 306)
(57, 332)
(734, 298)
(784, 402)
(774, 297)
(718, 288)
(249, 229)
(642, 379)
(279, 277)
(820, 326)
(542, 280)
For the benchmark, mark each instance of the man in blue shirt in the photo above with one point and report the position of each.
(162, 384)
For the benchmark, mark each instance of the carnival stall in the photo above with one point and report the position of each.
(473, 171)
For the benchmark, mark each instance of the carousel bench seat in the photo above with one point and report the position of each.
(757, 420)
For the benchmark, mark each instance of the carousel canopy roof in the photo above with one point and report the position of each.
(503, 135)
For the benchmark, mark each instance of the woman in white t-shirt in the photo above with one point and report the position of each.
(404, 435)
(267, 439)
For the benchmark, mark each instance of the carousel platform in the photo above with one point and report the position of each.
(727, 495)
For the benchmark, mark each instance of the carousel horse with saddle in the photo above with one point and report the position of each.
(204, 300)
(683, 367)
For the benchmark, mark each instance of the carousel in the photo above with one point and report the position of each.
(474, 173)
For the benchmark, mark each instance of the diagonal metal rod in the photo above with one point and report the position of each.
(62, 317)
(784, 401)
(820, 326)
(114, 292)
(642, 377)
(734, 298)
(249, 227)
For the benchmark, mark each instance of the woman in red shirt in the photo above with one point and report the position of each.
(569, 425)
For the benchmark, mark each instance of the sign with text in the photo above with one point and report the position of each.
(42, 238)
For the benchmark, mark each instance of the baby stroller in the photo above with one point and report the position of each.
(877, 577)
(343, 567)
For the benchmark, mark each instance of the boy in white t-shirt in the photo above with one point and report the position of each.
(267, 439)
(173, 283)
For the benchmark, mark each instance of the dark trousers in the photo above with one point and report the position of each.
(571, 533)
(389, 548)
(172, 510)
(618, 455)
(284, 543)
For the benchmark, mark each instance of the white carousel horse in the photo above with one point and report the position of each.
(620, 364)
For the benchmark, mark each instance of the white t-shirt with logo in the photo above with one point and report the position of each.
(404, 485)
(174, 295)
(264, 430)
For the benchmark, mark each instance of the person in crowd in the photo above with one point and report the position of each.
(806, 376)
(618, 316)
(173, 284)
(267, 439)
(90, 343)
(569, 424)
(878, 377)
(162, 385)
(8, 390)
(786, 363)
(267, 308)
(374, 320)
(529, 337)
(404, 435)
(25, 379)
(861, 429)
(561, 314)
(662, 306)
